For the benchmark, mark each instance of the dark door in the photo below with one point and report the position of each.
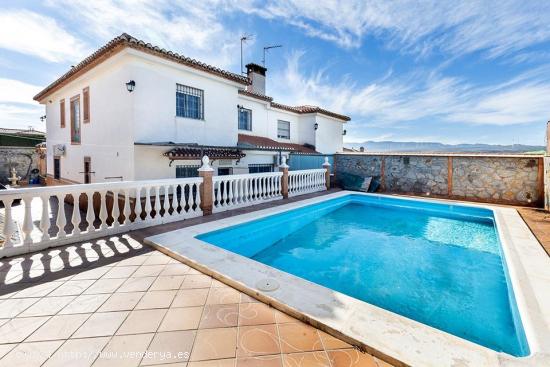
(87, 170)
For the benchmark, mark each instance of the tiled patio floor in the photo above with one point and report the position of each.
(107, 302)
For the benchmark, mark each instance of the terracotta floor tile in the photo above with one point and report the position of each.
(134, 260)
(299, 337)
(121, 301)
(94, 273)
(261, 361)
(181, 319)
(308, 359)
(120, 272)
(382, 363)
(14, 306)
(214, 344)
(196, 281)
(85, 303)
(16, 330)
(217, 284)
(255, 314)
(177, 343)
(247, 299)
(219, 296)
(104, 286)
(59, 327)
(30, 354)
(190, 297)
(157, 258)
(175, 269)
(5, 348)
(101, 324)
(128, 346)
(72, 288)
(283, 318)
(148, 271)
(47, 306)
(140, 284)
(193, 271)
(77, 352)
(167, 282)
(217, 316)
(156, 299)
(38, 290)
(330, 342)
(258, 340)
(214, 363)
(351, 358)
(142, 321)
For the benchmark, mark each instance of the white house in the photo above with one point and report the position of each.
(134, 111)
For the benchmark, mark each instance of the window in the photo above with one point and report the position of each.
(62, 113)
(225, 171)
(283, 129)
(57, 168)
(187, 171)
(87, 170)
(260, 168)
(189, 102)
(245, 119)
(75, 120)
(86, 105)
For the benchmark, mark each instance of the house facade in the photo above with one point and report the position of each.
(133, 111)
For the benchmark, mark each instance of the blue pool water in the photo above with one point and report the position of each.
(435, 263)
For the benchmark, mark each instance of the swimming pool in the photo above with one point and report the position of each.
(439, 264)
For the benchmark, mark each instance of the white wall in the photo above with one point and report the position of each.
(107, 138)
(328, 136)
(154, 101)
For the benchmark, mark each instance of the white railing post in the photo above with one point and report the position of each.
(9, 226)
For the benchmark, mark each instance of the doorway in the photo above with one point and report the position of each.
(87, 170)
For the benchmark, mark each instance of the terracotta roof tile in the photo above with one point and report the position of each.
(266, 143)
(125, 40)
(196, 153)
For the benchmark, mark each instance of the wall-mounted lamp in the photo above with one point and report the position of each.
(316, 126)
(42, 118)
(344, 132)
(130, 86)
(240, 107)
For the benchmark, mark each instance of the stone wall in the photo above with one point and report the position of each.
(490, 178)
(23, 159)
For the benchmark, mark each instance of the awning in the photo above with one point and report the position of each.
(196, 153)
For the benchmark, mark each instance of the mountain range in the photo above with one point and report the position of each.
(410, 146)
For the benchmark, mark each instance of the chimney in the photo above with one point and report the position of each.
(256, 74)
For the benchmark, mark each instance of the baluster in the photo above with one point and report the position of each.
(127, 210)
(147, 204)
(236, 192)
(45, 219)
(246, 192)
(230, 193)
(174, 199)
(223, 184)
(103, 210)
(75, 218)
(256, 190)
(217, 188)
(269, 186)
(27, 221)
(197, 197)
(166, 202)
(9, 226)
(138, 208)
(157, 203)
(116, 205)
(90, 215)
(61, 220)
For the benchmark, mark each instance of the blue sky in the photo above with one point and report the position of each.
(454, 72)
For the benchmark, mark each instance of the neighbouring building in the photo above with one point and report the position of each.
(134, 111)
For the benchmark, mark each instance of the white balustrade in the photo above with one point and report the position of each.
(41, 217)
(235, 191)
(306, 181)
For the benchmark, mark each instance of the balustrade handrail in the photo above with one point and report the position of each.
(101, 186)
(306, 171)
(246, 175)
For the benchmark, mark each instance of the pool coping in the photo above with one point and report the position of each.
(387, 335)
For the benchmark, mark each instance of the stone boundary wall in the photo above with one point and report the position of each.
(23, 159)
(507, 179)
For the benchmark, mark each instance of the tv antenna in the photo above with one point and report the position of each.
(244, 39)
(267, 48)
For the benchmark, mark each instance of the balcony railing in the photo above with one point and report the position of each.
(32, 219)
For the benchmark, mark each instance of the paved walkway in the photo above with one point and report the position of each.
(117, 302)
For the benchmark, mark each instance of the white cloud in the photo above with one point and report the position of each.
(17, 108)
(192, 28)
(38, 35)
(419, 96)
(16, 91)
(497, 27)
